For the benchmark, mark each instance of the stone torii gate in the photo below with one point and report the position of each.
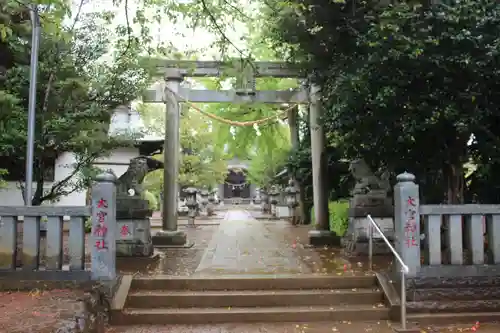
(173, 94)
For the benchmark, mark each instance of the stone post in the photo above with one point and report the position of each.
(220, 193)
(160, 197)
(294, 129)
(294, 138)
(103, 239)
(407, 222)
(273, 200)
(265, 199)
(211, 200)
(291, 200)
(253, 191)
(170, 235)
(322, 235)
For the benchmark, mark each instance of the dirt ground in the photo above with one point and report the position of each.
(37, 311)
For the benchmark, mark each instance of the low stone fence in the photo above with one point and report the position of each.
(21, 245)
(62, 255)
(445, 240)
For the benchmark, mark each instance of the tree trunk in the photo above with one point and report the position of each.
(454, 177)
(38, 173)
(302, 207)
(307, 212)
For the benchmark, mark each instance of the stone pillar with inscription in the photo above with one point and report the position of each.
(103, 239)
(407, 223)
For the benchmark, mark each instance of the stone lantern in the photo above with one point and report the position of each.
(192, 204)
(211, 202)
(265, 200)
(257, 198)
(291, 200)
(204, 201)
(274, 195)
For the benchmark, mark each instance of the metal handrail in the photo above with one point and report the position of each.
(404, 267)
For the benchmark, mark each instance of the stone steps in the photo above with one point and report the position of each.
(174, 300)
(254, 282)
(260, 298)
(163, 316)
(443, 301)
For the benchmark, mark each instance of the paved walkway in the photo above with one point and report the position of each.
(244, 245)
(238, 244)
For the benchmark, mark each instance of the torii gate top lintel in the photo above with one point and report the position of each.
(194, 68)
(176, 70)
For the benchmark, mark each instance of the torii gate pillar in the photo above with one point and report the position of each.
(170, 235)
(322, 235)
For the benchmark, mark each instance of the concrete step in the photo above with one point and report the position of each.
(454, 306)
(279, 282)
(448, 318)
(253, 298)
(248, 315)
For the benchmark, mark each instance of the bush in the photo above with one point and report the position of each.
(152, 201)
(338, 216)
(88, 225)
(3, 183)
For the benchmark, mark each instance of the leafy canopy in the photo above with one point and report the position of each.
(404, 86)
(80, 84)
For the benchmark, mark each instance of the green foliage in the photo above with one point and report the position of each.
(338, 216)
(268, 161)
(246, 141)
(88, 225)
(80, 83)
(3, 172)
(405, 86)
(202, 164)
(265, 145)
(152, 200)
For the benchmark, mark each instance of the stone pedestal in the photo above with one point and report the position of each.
(166, 238)
(319, 238)
(133, 228)
(381, 210)
(134, 238)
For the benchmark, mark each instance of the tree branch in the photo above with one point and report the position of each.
(56, 190)
(219, 28)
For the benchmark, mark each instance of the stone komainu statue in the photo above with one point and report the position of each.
(134, 176)
(366, 181)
